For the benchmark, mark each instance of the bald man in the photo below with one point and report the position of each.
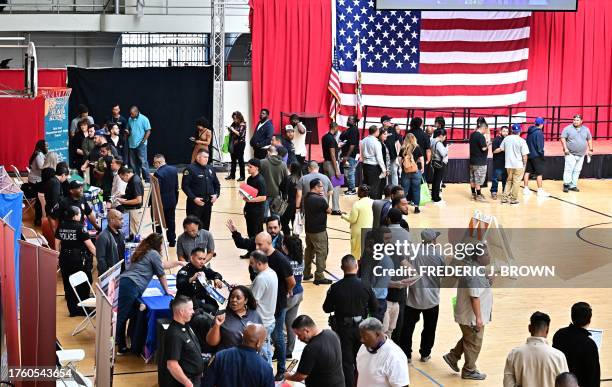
(242, 365)
(286, 282)
(110, 245)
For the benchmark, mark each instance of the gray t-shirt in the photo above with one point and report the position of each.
(514, 148)
(425, 293)
(143, 271)
(265, 289)
(305, 184)
(576, 139)
(185, 244)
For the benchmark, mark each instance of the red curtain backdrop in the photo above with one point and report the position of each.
(22, 121)
(570, 60)
(14, 78)
(291, 45)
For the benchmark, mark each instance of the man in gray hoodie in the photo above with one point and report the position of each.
(274, 171)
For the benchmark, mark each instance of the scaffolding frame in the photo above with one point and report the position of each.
(217, 41)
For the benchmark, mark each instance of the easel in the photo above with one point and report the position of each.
(480, 227)
(157, 213)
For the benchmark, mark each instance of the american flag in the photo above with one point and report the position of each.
(334, 87)
(422, 59)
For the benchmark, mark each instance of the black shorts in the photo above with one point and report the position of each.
(535, 166)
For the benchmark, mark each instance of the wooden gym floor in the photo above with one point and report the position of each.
(512, 306)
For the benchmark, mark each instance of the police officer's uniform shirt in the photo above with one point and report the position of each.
(182, 345)
(195, 288)
(60, 210)
(72, 234)
(349, 297)
(134, 189)
(200, 182)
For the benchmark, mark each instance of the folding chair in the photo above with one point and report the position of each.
(77, 279)
(28, 203)
(68, 360)
(31, 236)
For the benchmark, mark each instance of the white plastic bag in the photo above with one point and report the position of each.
(298, 223)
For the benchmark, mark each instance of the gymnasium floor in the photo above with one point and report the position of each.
(511, 308)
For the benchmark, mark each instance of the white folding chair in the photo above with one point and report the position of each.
(68, 360)
(77, 279)
(31, 236)
(28, 203)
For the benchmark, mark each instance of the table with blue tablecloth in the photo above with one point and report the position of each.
(144, 339)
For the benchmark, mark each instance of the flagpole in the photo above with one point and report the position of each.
(333, 44)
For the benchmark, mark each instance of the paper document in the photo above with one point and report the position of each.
(152, 292)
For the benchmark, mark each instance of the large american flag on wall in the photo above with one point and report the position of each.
(422, 59)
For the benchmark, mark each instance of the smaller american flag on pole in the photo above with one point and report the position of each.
(334, 88)
(358, 96)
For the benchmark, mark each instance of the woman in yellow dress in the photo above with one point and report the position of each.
(360, 217)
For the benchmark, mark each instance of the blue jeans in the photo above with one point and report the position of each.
(278, 337)
(349, 173)
(571, 172)
(266, 351)
(499, 174)
(411, 182)
(381, 309)
(128, 294)
(138, 160)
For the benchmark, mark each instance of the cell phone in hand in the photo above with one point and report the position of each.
(292, 365)
(220, 312)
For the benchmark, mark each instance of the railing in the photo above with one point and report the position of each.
(460, 121)
(127, 7)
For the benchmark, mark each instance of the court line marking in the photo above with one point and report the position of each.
(589, 242)
(575, 204)
(431, 379)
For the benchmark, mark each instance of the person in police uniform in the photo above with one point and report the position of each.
(202, 188)
(351, 301)
(182, 351)
(76, 254)
(75, 199)
(188, 281)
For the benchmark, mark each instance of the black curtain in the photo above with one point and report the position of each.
(171, 97)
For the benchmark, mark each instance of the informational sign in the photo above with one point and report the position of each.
(56, 121)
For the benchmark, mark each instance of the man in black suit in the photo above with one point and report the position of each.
(168, 190)
(262, 136)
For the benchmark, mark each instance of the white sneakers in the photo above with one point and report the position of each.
(542, 193)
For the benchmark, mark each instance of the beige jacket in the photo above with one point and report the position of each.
(534, 364)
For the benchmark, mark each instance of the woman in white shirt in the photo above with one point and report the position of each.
(36, 162)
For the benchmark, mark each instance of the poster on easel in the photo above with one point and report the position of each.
(485, 228)
(105, 339)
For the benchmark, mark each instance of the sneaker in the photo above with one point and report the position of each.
(245, 256)
(123, 351)
(230, 177)
(452, 364)
(474, 197)
(542, 193)
(416, 210)
(504, 200)
(575, 189)
(526, 191)
(514, 202)
(240, 179)
(565, 188)
(440, 203)
(307, 277)
(425, 359)
(481, 199)
(473, 375)
(494, 195)
(350, 192)
(337, 212)
(322, 281)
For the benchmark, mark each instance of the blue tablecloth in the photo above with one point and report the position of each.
(157, 307)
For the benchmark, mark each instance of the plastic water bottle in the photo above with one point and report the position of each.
(128, 253)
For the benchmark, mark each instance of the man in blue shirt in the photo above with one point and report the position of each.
(242, 365)
(139, 130)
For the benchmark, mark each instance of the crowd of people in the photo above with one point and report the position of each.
(373, 317)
